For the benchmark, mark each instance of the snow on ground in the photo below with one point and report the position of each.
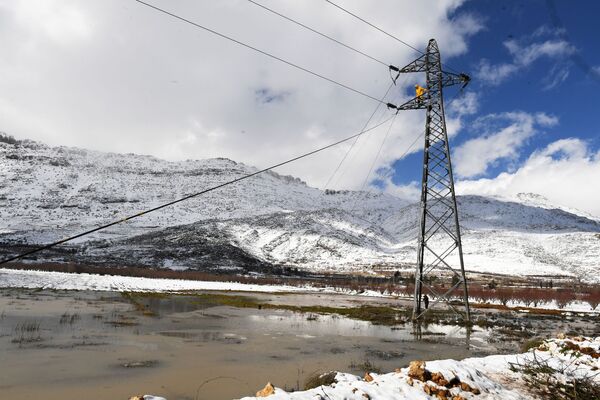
(72, 281)
(69, 281)
(53, 192)
(478, 378)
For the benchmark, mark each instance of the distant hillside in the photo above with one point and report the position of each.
(47, 193)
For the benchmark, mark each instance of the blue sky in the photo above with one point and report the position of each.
(564, 85)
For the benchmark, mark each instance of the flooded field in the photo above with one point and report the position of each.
(71, 345)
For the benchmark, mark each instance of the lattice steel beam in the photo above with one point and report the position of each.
(439, 229)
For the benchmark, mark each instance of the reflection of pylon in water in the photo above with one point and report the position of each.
(439, 230)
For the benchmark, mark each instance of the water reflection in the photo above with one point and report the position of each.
(187, 346)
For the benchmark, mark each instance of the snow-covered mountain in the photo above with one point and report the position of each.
(47, 193)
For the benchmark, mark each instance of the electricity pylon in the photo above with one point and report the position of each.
(439, 230)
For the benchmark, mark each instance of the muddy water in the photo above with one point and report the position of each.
(75, 345)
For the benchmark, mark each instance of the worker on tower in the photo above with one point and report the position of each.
(419, 91)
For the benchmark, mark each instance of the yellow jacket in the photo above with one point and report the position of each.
(419, 90)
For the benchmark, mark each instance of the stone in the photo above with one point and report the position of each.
(428, 389)
(567, 344)
(416, 370)
(442, 394)
(438, 379)
(266, 391)
(590, 352)
(454, 382)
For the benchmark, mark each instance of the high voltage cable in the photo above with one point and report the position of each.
(387, 133)
(381, 30)
(257, 50)
(319, 33)
(355, 142)
(374, 26)
(48, 246)
(358, 136)
(375, 160)
(399, 158)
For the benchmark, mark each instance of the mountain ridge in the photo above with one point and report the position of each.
(50, 192)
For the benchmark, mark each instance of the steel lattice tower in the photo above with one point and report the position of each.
(439, 230)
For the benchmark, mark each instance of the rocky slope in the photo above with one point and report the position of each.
(47, 193)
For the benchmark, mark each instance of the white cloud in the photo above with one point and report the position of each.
(503, 136)
(523, 55)
(465, 104)
(117, 76)
(566, 172)
(526, 55)
(63, 22)
(410, 191)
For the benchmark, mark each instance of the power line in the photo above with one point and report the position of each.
(375, 160)
(399, 158)
(381, 30)
(387, 133)
(319, 33)
(257, 50)
(374, 26)
(48, 246)
(356, 141)
(357, 137)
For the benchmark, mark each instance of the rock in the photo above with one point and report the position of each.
(589, 351)
(467, 388)
(567, 344)
(428, 389)
(438, 379)
(439, 393)
(266, 391)
(454, 382)
(368, 377)
(416, 370)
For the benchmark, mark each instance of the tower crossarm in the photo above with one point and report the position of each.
(420, 65)
(450, 79)
(413, 104)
